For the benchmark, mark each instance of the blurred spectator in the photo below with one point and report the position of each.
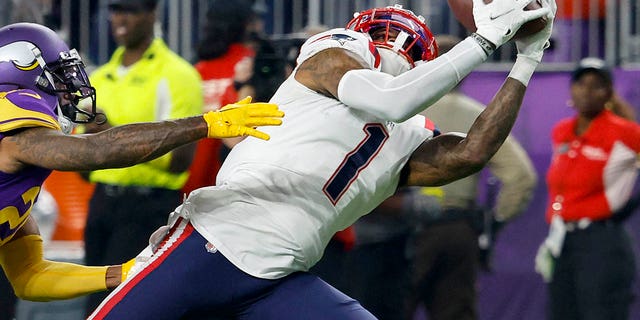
(24, 11)
(588, 258)
(144, 81)
(269, 64)
(226, 64)
(268, 70)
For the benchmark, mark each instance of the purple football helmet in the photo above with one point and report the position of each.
(34, 57)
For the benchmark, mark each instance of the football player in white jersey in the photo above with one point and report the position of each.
(351, 136)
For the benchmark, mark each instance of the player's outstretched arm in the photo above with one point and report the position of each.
(450, 157)
(399, 98)
(133, 143)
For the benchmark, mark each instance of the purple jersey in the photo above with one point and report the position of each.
(19, 191)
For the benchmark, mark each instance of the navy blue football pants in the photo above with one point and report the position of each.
(186, 280)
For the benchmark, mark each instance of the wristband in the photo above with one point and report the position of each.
(485, 44)
(523, 69)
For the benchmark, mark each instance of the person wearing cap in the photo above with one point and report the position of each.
(587, 259)
(143, 81)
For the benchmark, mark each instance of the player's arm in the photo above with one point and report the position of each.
(399, 98)
(36, 279)
(449, 157)
(181, 157)
(130, 144)
(343, 75)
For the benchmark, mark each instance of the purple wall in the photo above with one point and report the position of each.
(514, 290)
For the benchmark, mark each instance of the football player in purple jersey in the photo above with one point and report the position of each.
(42, 83)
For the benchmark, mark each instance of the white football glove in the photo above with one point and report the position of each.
(499, 20)
(533, 46)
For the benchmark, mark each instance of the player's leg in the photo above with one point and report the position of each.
(182, 275)
(305, 296)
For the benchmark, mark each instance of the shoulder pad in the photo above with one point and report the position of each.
(25, 108)
(356, 42)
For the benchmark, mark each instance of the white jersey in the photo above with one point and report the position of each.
(277, 203)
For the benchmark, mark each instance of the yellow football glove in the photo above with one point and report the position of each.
(126, 267)
(240, 119)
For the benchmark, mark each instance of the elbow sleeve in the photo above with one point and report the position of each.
(36, 279)
(399, 98)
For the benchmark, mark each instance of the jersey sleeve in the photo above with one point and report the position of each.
(399, 98)
(23, 109)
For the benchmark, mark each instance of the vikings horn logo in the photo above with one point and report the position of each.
(22, 56)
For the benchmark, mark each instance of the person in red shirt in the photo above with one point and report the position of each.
(225, 62)
(590, 179)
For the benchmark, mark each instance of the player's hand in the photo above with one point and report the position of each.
(499, 20)
(533, 46)
(239, 119)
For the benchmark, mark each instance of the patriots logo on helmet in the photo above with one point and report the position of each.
(342, 38)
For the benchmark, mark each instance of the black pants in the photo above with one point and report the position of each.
(375, 274)
(445, 264)
(593, 278)
(119, 224)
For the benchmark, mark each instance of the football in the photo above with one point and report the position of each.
(463, 11)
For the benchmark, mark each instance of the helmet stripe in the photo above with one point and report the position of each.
(30, 67)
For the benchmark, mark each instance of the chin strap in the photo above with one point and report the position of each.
(391, 62)
(66, 125)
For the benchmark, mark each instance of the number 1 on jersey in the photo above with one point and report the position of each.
(355, 161)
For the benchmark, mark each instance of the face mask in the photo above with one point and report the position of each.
(392, 63)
